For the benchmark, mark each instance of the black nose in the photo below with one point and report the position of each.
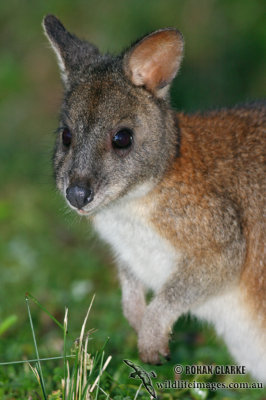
(79, 196)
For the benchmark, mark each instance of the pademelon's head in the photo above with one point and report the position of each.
(117, 132)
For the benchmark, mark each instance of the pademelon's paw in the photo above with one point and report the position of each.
(153, 345)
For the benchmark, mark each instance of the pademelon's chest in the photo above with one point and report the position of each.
(137, 245)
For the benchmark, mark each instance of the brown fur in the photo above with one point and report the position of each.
(219, 163)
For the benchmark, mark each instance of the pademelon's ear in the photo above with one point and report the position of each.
(153, 62)
(72, 53)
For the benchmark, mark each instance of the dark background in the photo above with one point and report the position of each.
(46, 249)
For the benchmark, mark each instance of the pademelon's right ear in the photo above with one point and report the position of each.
(72, 53)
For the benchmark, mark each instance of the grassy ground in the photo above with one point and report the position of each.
(46, 250)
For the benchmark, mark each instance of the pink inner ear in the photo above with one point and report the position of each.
(155, 60)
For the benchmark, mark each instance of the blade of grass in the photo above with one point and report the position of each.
(137, 392)
(99, 376)
(73, 378)
(65, 356)
(37, 375)
(68, 381)
(34, 370)
(35, 360)
(86, 392)
(100, 373)
(98, 356)
(78, 382)
(85, 362)
(84, 323)
(29, 296)
(106, 394)
(77, 391)
(36, 349)
(41, 379)
(7, 323)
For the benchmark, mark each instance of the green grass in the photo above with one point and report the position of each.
(50, 252)
(79, 381)
(83, 372)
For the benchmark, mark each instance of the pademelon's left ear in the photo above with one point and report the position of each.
(154, 61)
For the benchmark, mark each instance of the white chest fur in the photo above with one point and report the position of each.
(149, 256)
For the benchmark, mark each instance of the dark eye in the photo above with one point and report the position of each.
(122, 139)
(66, 137)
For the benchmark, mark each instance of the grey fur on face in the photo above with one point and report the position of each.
(99, 100)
